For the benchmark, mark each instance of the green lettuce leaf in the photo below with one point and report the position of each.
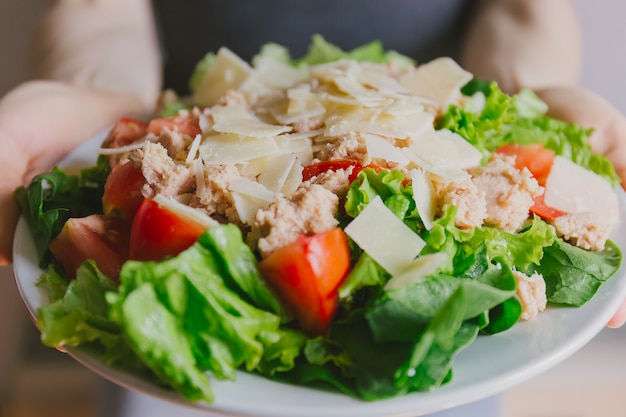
(573, 275)
(204, 323)
(519, 119)
(52, 198)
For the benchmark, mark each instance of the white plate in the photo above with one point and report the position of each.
(490, 365)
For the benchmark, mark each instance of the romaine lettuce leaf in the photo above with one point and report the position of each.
(518, 119)
(204, 323)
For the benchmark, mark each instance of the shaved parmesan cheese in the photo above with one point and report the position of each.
(439, 80)
(302, 105)
(239, 121)
(232, 149)
(251, 188)
(591, 192)
(185, 211)
(373, 77)
(379, 148)
(227, 72)
(122, 149)
(444, 153)
(275, 174)
(298, 145)
(424, 197)
(247, 207)
(250, 197)
(375, 122)
(385, 237)
(424, 266)
(193, 149)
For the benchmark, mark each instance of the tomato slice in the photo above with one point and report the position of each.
(184, 125)
(535, 157)
(539, 162)
(544, 211)
(318, 168)
(307, 273)
(157, 233)
(97, 237)
(125, 132)
(122, 191)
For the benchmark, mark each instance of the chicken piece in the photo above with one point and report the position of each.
(509, 192)
(337, 181)
(212, 193)
(350, 146)
(531, 291)
(163, 175)
(470, 202)
(311, 209)
(586, 230)
(176, 145)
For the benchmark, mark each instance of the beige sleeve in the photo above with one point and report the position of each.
(524, 43)
(108, 45)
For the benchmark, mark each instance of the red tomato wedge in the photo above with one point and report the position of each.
(544, 211)
(184, 125)
(539, 162)
(122, 191)
(157, 233)
(125, 132)
(535, 157)
(100, 238)
(307, 273)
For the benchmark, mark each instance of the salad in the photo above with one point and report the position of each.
(348, 219)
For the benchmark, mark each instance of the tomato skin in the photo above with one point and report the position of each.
(184, 125)
(318, 168)
(126, 131)
(539, 162)
(535, 157)
(157, 233)
(122, 191)
(544, 211)
(306, 275)
(97, 237)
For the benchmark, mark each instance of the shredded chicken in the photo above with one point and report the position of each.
(311, 209)
(531, 291)
(509, 192)
(163, 175)
(585, 230)
(470, 202)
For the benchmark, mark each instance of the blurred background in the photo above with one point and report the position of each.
(37, 382)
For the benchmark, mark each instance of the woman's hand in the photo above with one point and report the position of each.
(580, 106)
(40, 122)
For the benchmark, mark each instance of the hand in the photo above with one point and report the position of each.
(580, 106)
(40, 122)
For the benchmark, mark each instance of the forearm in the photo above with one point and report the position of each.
(107, 45)
(524, 43)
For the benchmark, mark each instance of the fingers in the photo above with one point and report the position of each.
(40, 122)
